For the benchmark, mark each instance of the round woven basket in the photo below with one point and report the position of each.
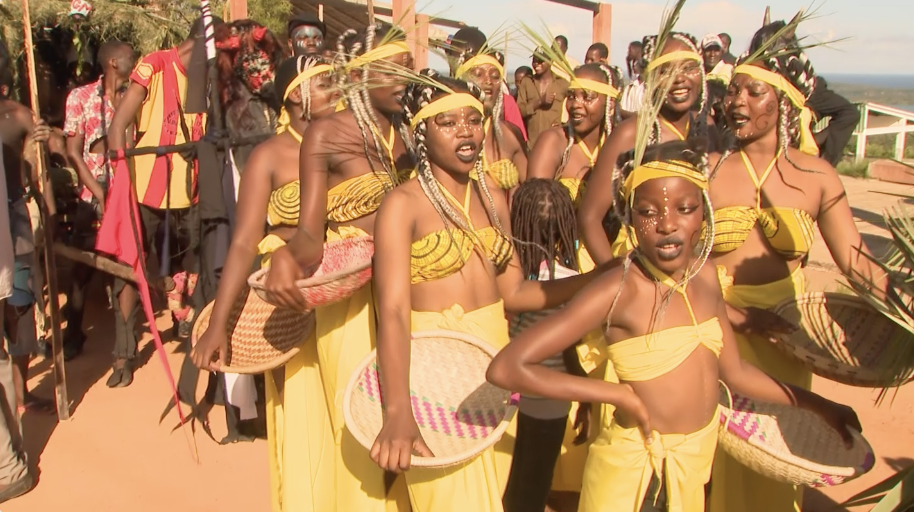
(261, 336)
(344, 269)
(844, 339)
(458, 412)
(790, 444)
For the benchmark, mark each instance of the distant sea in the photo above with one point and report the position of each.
(876, 81)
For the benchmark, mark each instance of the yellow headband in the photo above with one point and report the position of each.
(671, 57)
(655, 170)
(445, 104)
(594, 86)
(381, 52)
(479, 60)
(307, 74)
(807, 140)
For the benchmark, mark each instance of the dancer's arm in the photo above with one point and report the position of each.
(516, 151)
(546, 157)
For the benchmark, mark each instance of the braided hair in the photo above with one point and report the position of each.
(785, 58)
(498, 108)
(613, 77)
(700, 127)
(417, 96)
(692, 151)
(288, 71)
(350, 45)
(543, 220)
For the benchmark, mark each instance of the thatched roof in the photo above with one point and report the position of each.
(149, 25)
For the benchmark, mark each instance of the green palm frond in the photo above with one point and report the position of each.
(545, 45)
(771, 49)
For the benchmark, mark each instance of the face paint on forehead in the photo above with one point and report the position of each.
(307, 32)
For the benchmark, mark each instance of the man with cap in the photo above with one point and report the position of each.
(306, 35)
(540, 97)
(712, 51)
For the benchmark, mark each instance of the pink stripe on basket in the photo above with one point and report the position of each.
(417, 410)
(458, 425)
(431, 414)
(481, 422)
(493, 420)
(468, 420)
(443, 416)
(370, 379)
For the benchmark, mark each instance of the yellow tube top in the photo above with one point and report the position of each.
(359, 196)
(790, 231)
(441, 254)
(576, 188)
(284, 205)
(504, 172)
(651, 356)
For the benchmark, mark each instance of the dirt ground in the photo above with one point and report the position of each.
(113, 454)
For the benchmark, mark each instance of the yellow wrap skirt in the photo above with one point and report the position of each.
(620, 466)
(734, 486)
(476, 485)
(315, 463)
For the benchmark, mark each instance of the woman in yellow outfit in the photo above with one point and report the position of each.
(444, 259)
(769, 191)
(269, 189)
(567, 154)
(504, 157)
(349, 161)
(656, 454)
(676, 121)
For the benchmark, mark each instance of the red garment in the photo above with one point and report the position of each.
(119, 236)
(512, 114)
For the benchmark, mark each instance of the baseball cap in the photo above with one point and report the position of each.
(306, 18)
(710, 41)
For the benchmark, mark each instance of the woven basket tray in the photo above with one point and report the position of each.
(345, 268)
(458, 412)
(261, 336)
(789, 444)
(844, 339)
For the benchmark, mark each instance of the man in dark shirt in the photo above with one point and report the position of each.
(727, 41)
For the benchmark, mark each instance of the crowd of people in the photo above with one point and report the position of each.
(639, 207)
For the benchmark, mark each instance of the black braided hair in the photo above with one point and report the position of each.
(350, 45)
(692, 151)
(418, 95)
(613, 77)
(543, 220)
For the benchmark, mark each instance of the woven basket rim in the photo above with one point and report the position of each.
(838, 370)
(272, 364)
(793, 460)
(415, 460)
(258, 278)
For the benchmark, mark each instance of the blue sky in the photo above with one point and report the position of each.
(882, 39)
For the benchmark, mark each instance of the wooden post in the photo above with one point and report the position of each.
(238, 9)
(861, 135)
(421, 54)
(370, 4)
(404, 15)
(900, 139)
(603, 25)
(50, 267)
(320, 12)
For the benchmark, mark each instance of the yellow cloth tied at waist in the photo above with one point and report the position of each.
(807, 141)
(648, 357)
(270, 244)
(284, 119)
(764, 296)
(487, 323)
(620, 466)
(479, 60)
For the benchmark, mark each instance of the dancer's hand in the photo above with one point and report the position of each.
(838, 416)
(213, 341)
(760, 322)
(398, 439)
(41, 132)
(632, 412)
(582, 422)
(280, 283)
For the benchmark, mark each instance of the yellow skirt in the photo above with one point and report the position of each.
(476, 485)
(734, 486)
(315, 463)
(620, 467)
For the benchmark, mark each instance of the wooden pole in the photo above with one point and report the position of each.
(320, 12)
(50, 267)
(95, 261)
(239, 9)
(603, 24)
(370, 4)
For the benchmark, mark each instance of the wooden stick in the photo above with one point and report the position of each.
(50, 267)
(320, 12)
(370, 12)
(95, 261)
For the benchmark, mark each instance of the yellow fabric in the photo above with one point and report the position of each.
(662, 169)
(620, 466)
(790, 231)
(587, 84)
(672, 57)
(359, 196)
(284, 205)
(441, 253)
(807, 140)
(476, 485)
(446, 104)
(503, 172)
(376, 54)
(672, 127)
(623, 243)
(479, 60)
(647, 357)
(576, 188)
(735, 487)
(326, 470)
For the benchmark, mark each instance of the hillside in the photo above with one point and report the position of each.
(866, 93)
